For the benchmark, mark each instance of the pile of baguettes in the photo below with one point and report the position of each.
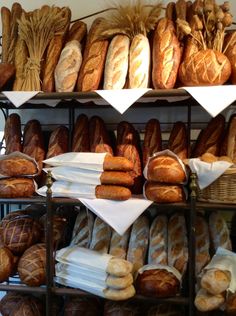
(77, 61)
(217, 139)
(159, 241)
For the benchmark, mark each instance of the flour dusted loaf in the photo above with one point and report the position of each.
(158, 241)
(164, 193)
(215, 281)
(165, 169)
(67, 69)
(101, 236)
(202, 243)
(119, 244)
(32, 265)
(16, 187)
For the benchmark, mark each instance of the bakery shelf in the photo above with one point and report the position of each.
(31, 200)
(13, 286)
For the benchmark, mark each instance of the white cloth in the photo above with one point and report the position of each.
(19, 97)
(214, 99)
(208, 172)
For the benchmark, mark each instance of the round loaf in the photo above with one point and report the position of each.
(20, 232)
(30, 306)
(16, 187)
(6, 264)
(121, 309)
(215, 281)
(164, 310)
(165, 169)
(89, 306)
(208, 157)
(161, 193)
(157, 283)
(10, 302)
(32, 265)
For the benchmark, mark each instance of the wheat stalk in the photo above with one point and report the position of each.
(37, 30)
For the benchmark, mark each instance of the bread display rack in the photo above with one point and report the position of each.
(190, 206)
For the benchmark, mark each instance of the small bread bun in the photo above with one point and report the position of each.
(208, 157)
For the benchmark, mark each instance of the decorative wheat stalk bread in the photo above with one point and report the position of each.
(202, 244)
(152, 139)
(68, 66)
(12, 133)
(80, 136)
(158, 241)
(166, 55)
(178, 140)
(101, 236)
(117, 62)
(93, 59)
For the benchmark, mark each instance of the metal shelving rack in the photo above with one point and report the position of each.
(71, 101)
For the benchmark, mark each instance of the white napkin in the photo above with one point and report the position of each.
(90, 161)
(122, 99)
(19, 97)
(208, 172)
(224, 260)
(214, 99)
(120, 215)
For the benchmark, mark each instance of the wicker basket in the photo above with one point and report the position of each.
(222, 190)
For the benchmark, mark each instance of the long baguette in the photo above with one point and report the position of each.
(16, 12)
(77, 32)
(6, 31)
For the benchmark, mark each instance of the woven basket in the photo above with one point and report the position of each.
(222, 190)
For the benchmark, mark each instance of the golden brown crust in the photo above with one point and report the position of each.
(152, 139)
(16, 12)
(117, 164)
(164, 193)
(16, 187)
(166, 55)
(6, 32)
(12, 133)
(17, 166)
(77, 31)
(80, 139)
(21, 55)
(178, 140)
(112, 192)
(6, 263)
(7, 71)
(58, 142)
(117, 178)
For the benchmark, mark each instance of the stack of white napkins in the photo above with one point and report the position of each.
(93, 272)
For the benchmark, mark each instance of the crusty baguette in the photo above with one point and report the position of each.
(58, 142)
(6, 31)
(80, 138)
(16, 12)
(93, 60)
(101, 236)
(178, 140)
(77, 31)
(170, 11)
(119, 244)
(117, 60)
(112, 192)
(166, 55)
(21, 55)
(202, 244)
(12, 133)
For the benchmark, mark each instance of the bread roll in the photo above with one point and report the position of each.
(139, 62)
(94, 56)
(165, 169)
(166, 55)
(163, 193)
(16, 187)
(157, 283)
(119, 283)
(202, 244)
(112, 192)
(117, 61)
(215, 281)
(16, 166)
(208, 157)
(32, 265)
(209, 138)
(6, 264)
(83, 228)
(58, 142)
(101, 236)
(119, 244)
(7, 71)
(119, 295)
(98, 136)
(158, 241)
(68, 66)
(206, 302)
(178, 140)
(177, 243)
(138, 243)
(80, 137)
(219, 232)
(12, 133)
(119, 267)
(152, 139)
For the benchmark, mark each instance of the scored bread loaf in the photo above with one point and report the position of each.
(152, 139)
(94, 56)
(177, 243)
(82, 305)
(58, 142)
(166, 55)
(119, 244)
(68, 66)
(12, 133)
(16, 166)
(6, 263)
(101, 236)
(139, 62)
(164, 193)
(178, 140)
(202, 243)
(158, 241)
(83, 229)
(17, 187)
(125, 308)
(80, 137)
(117, 61)
(138, 243)
(219, 231)
(209, 138)
(77, 31)
(112, 192)
(98, 136)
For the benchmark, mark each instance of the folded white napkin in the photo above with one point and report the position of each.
(122, 99)
(208, 172)
(19, 97)
(214, 99)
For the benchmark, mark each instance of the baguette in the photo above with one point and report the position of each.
(219, 232)
(7, 71)
(6, 31)
(80, 138)
(21, 56)
(119, 244)
(112, 192)
(170, 11)
(93, 60)
(178, 140)
(101, 236)
(77, 32)
(166, 55)
(58, 142)
(12, 133)
(16, 12)
(202, 244)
